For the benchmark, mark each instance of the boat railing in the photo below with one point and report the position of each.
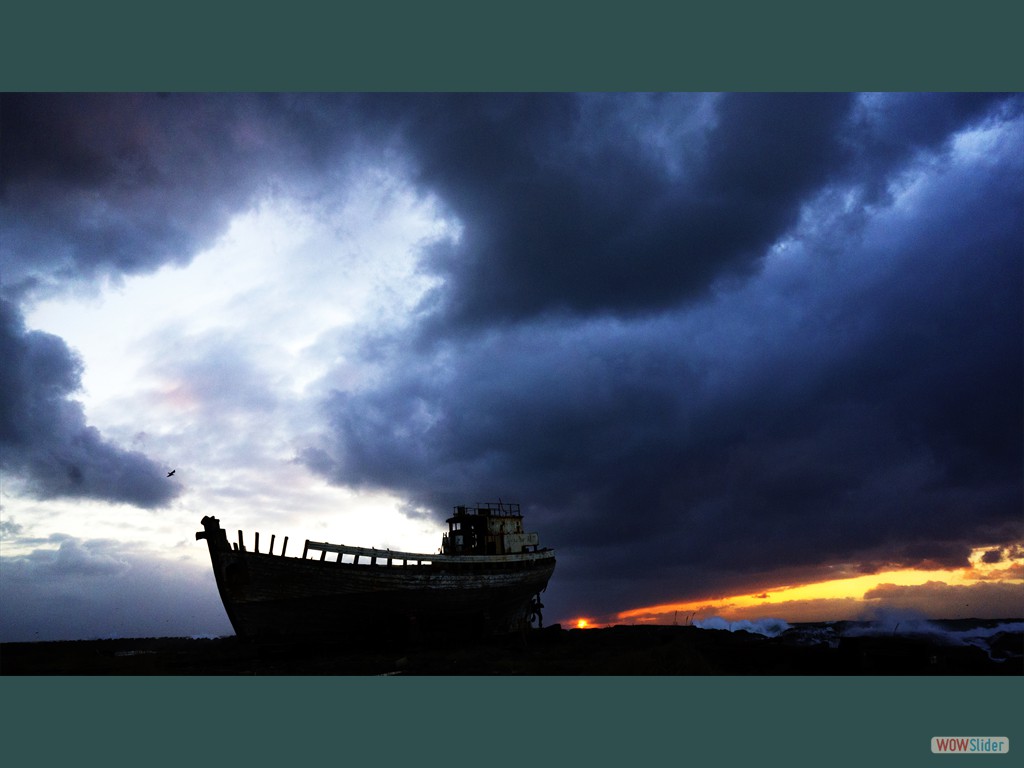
(386, 556)
(373, 556)
(240, 545)
(370, 555)
(494, 509)
(347, 554)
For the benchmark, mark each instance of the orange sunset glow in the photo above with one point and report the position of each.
(986, 588)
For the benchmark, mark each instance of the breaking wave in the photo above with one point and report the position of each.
(1000, 639)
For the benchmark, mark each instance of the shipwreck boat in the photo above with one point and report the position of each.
(486, 579)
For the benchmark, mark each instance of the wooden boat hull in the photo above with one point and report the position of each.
(273, 597)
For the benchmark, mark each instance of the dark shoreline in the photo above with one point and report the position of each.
(620, 650)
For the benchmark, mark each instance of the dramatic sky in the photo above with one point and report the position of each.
(739, 354)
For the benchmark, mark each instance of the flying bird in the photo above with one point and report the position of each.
(171, 472)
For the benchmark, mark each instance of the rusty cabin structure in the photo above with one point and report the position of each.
(488, 529)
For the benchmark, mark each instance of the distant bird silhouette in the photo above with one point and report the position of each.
(171, 472)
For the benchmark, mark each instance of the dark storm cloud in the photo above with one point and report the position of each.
(677, 436)
(581, 205)
(43, 432)
(886, 129)
(102, 185)
(992, 556)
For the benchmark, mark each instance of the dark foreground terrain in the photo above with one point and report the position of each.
(621, 650)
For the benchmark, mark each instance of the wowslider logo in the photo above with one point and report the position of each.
(970, 745)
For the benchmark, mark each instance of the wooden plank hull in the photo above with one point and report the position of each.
(274, 597)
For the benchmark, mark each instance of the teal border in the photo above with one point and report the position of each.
(452, 46)
(505, 721)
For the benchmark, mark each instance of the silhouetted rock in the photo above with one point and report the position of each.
(620, 650)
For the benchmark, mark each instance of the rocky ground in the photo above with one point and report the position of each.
(621, 650)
